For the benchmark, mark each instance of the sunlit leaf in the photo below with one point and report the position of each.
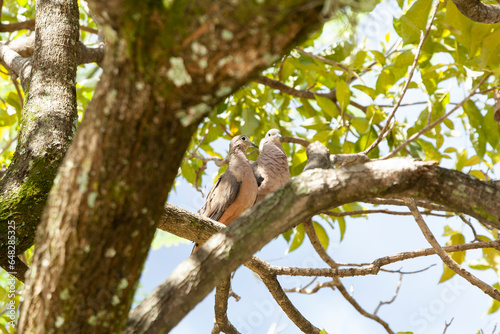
(298, 238)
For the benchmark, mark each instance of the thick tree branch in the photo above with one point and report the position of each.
(478, 11)
(199, 229)
(486, 288)
(20, 66)
(11, 27)
(309, 193)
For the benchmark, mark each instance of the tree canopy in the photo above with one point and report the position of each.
(106, 107)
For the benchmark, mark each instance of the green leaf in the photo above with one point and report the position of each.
(322, 235)
(405, 59)
(379, 56)
(367, 90)
(287, 235)
(327, 105)
(447, 274)
(385, 80)
(306, 109)
(479, 174)
(286, 70)
(459, 257)
(494, 304)
(343, 94)
(461, 159)
(480, 264)
(165, 239)
(360, 124)
(298, 238)
(474, 160)
(342, 227)
(416, 150)
(316, 123)
(251, 121)
(188, 170)
(414, 21)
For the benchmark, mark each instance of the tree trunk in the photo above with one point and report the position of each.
(48, 124)
(164, 69)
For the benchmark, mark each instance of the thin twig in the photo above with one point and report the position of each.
(399, 202)
(486, 288)
(8, 144)
(380, 304)
(316, 288)
(433, 124)
(386, 130)
(408, 272)
(389, 212)
(313, 238)
(447, 324)
(362, 269)
(471, 227)
(330, 62)
(302, 93)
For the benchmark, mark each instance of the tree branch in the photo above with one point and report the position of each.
(313, 237)
(436, 122)
(388, 124)
(191, 226)
(11, 27)
(286, 305)
(477, 11)
(222, 323)
(486, 288)
(150, 99)
(272, 83)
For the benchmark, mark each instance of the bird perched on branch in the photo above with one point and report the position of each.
(271, 168)
(235, 190)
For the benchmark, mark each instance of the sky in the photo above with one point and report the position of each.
(422, 305)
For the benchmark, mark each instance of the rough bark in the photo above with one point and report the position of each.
(309, 193)
(301, 198)
(48, 127)
(49, 123)
(164, 69)
(478, 11)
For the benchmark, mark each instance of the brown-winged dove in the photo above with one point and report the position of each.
(271, 168)
(235, 190)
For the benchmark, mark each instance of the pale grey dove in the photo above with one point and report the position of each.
(271, 168)
(235, 190)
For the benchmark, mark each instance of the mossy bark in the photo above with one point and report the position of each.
(48, 126)
(166, 66)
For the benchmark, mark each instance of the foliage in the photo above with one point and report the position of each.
(455, 57)
(365, 80)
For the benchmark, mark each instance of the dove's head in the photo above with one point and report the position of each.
(240, 143)
(272, 136)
